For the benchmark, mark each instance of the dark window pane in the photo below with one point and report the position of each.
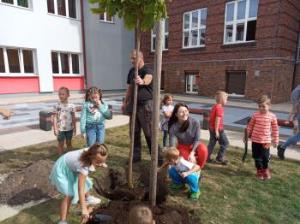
(241, 10)
(28, 61)
(203, 16)
(251, 30)
(61, 7)
(229, 12)
(75, 63)
(54, 59)
(109, 18)
(229, 33)
(240, 32)
(101, 16)
(72, 8)
(153, 43)
(2, 66)
(50, 4)
(166, 25)
(236, 82)
(166, 41)
(186, 21)
(186, 39)
(23, 3)
(13, 60)
(8, 1)
(202, 36)
(65, 68)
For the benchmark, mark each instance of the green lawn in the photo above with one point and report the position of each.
(230, 194)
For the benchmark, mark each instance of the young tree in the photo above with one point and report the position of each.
(140, 15)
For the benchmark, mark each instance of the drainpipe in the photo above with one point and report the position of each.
(296, 58)
(83, 43)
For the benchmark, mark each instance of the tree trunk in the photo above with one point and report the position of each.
(156, 110)
(133, 116)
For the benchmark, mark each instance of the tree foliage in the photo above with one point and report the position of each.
(148, 12)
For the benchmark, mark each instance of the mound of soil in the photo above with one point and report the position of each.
(29, 184)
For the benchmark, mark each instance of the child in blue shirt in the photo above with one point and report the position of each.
(94, 113)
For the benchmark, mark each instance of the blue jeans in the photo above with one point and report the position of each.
(223, 142)
(192, 180)
(294, 139)
(95, 133)
(165, 138)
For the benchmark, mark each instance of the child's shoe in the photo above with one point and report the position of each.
(266, 174)
(195, 195)
(91, 200)
(260, 174)
(177, 187)
(220, 161)
(280, 152)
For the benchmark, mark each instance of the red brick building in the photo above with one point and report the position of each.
(245, 47)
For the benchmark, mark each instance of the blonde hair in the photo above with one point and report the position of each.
(172, 153)
(88, 156)
(141, 214)
(264, 99)
(63, 88)
(220, 95)
(166, 98)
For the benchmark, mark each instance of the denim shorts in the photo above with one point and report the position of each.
(62, 135)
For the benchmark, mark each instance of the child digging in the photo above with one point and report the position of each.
(70, 177)
(262, 125)
(64, 121)
(182, 172)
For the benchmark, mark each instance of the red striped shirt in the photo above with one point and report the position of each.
(262, 126)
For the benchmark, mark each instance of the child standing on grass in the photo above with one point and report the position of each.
(141, 214)
(216, 129)
(167, 109)
(94, 113)
(182, 172)
(70, 177)
(64, 121)
(261, 127)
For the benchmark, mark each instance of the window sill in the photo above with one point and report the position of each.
(65, 17)
(191, 93)
(239, 44)
(17, 6)
(107, 22)
(17, 75)
(67, 75)
(163, 51)
(194, 49)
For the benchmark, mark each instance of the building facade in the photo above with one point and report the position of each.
(245, 47)
(45, 44)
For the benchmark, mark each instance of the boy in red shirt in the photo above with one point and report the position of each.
(216, 129)
(263, 130)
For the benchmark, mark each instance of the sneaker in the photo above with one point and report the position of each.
(260, 174)
(62, 222)
(195, 195)
(266, 174)
(280, 152)
(221, 162)
(177, 187)
(91, 200)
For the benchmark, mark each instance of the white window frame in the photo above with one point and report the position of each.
(15, 4)
(190, 29)
(236, 21)
(67, 10)
(21, 62)
(60, 73)
(105, 18)
(190, 81)
(166, 35)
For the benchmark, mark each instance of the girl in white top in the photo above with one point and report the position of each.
(70, 177)
(167, 109)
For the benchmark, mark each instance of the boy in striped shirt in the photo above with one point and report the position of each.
(263, 130)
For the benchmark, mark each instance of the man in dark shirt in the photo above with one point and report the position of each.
(144, 103)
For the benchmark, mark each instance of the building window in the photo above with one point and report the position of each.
(16, 60)
(240, 21)
(194, 28)
(67, 8)
(22, 3)
(166, 36)
(236, 82)
(104, 17)
(190, 83)
(65, 63)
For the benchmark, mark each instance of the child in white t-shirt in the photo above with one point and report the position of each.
(167, 109)
(182, 172)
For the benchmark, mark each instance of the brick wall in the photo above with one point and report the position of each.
(268, 62)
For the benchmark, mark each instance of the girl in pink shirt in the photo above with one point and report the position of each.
(263, 131)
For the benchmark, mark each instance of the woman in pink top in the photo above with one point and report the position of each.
(263, 130)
